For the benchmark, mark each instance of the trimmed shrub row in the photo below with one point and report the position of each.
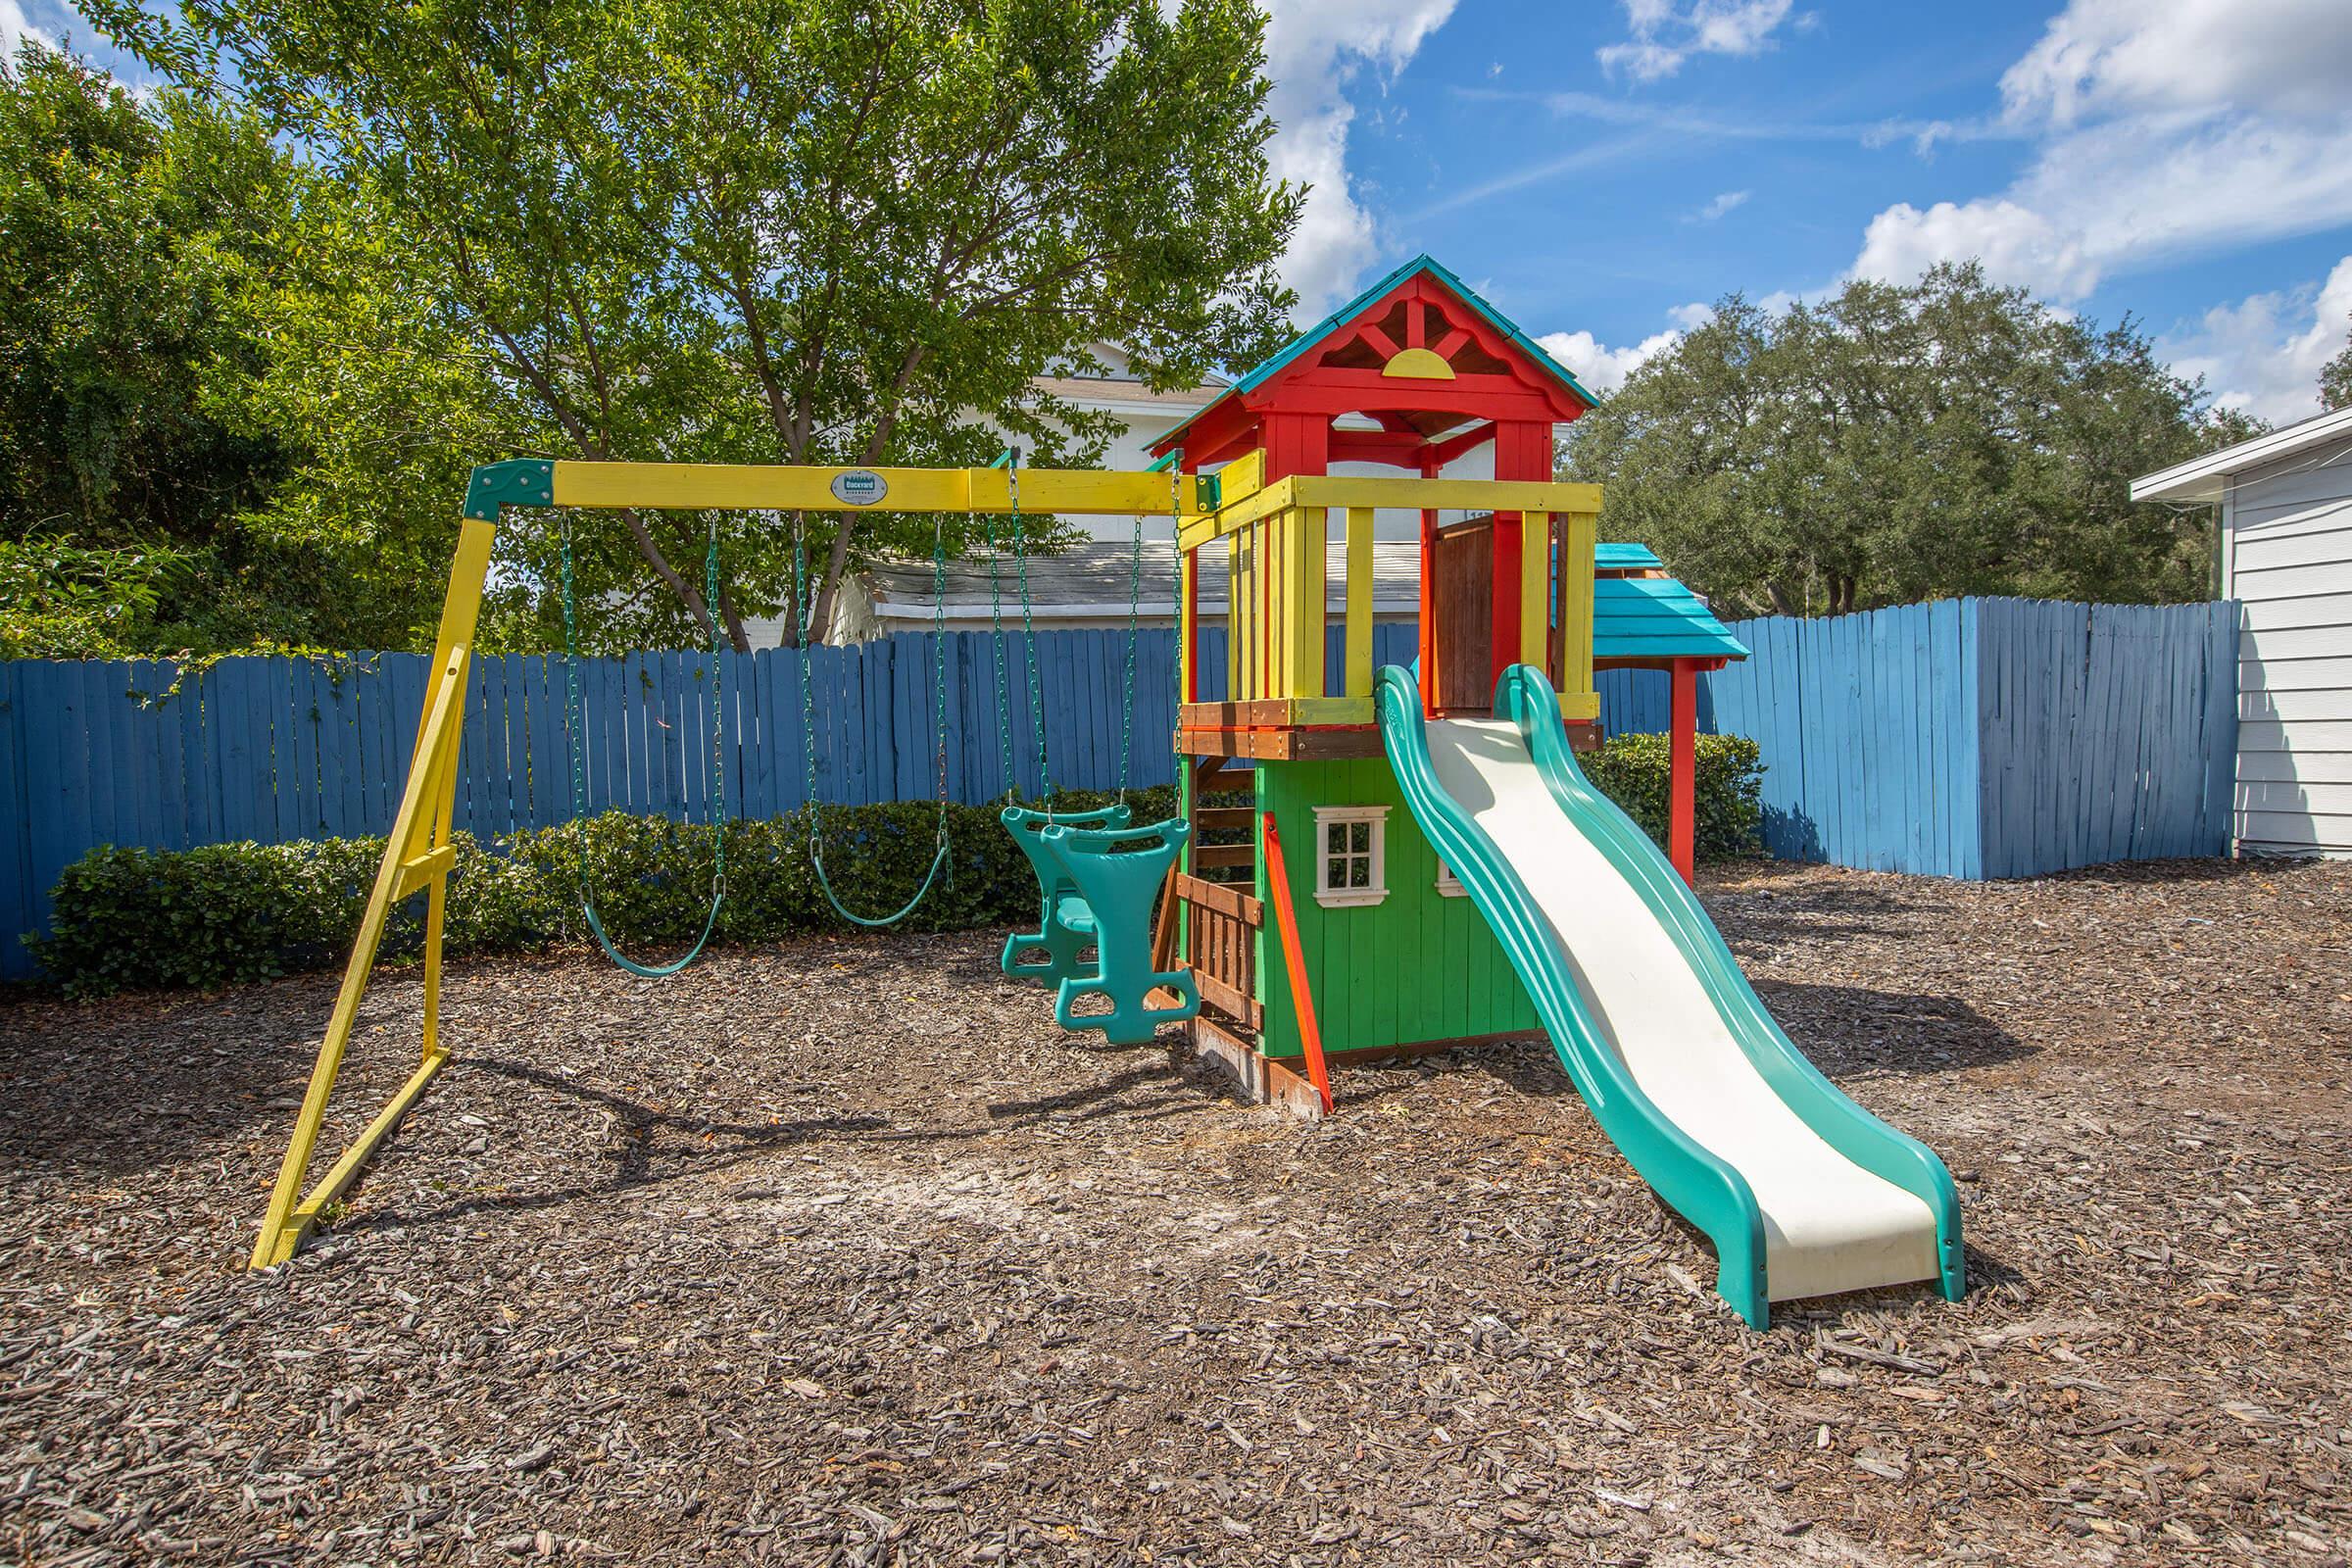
(1728, 789)
(232, 914)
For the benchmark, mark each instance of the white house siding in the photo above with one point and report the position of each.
(2287, 559)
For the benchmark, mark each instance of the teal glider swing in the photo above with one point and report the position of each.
(1099, 877)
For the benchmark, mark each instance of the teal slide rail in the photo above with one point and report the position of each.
(1700, 1186)
(1885, 1152)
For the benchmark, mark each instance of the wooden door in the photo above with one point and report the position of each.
(1463, 602)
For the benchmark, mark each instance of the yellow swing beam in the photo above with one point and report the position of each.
(420, 854)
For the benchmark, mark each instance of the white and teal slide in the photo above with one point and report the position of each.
(1803, 1191)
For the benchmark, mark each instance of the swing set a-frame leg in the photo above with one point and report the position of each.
(417, 855)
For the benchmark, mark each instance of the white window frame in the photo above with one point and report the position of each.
(1448, 885)
(1376, 888)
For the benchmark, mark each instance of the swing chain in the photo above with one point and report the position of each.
(575, 722)
(939, 664)
(1135, 593)
(803, 616)
(1037, 695)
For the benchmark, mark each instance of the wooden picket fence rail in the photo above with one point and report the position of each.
(1971, 738)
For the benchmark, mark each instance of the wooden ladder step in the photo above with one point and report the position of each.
(1207, 855)
(1215, 818)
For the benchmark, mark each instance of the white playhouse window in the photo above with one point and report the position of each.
(1351, 855)
(1450, 885)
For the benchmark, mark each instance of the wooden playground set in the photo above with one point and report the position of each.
(1365, 861)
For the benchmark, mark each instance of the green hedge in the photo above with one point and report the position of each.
(1727, 792)
(230, 913)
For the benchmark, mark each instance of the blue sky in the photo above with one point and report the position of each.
(1605, 169)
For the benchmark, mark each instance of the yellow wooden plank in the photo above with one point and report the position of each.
(346, 1170)
(1579, 705)
(1359, 603)
(1237, 515)
(1578, 531)
(688, 486)
(1349, 710)
(1307, 529)
(1242, 478)
(1237, 612)
(1535, 588)
(1462, 495)
(1188, 619)
(416, 871)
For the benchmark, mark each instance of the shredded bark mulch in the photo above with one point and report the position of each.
(841, 1252)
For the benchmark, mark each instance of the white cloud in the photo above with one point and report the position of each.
(16, 27)
(2102, 57)
(1602, 368)
(2264, 354)
(1663, 34)
(2161, 131)
(1314, 49)
(1721, 205)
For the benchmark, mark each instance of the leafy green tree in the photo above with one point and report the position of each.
(778, 230)
(1898, 443)
(2335, 379)
(150, 498)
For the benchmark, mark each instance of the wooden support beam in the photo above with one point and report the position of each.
(760, 487)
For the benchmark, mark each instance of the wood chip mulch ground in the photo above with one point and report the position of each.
(840, 1252)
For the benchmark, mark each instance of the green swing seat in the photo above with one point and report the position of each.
(1065, 925)
(1119, 872)
(1098, 881)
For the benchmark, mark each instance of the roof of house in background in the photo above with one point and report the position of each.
(1124, 394)
(2204, 478)
(1091, 579)
(1656, 618)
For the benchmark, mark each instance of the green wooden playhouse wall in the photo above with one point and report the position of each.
(1416, 966)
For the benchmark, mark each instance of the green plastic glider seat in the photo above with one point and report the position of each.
(1064, 924)
(1119, 872)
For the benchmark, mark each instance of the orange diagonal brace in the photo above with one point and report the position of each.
(1278, 878)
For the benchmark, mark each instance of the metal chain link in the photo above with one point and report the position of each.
(1037, 690)
(1135, 593)
(996, 620)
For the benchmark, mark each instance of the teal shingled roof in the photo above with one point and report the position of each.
(1655, 617)
(1625, 558)
(1322, 329)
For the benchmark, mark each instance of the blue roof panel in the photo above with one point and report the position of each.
(1625, 558)
(1656, 618)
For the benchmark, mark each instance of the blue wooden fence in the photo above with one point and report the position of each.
(1990, 737)
(1978, 738)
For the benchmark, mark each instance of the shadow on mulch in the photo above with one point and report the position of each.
(1759, 920)
(139, 1082)
(1851, 1029)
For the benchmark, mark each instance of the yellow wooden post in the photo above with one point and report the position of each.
(1303, 610)
(417, 853)
(1359, 602)
(1535, 589)
(1237, 612)
(1188, 625)
(1578, 531)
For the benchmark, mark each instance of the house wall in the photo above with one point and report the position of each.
(2287, 558)
(1417, 966)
